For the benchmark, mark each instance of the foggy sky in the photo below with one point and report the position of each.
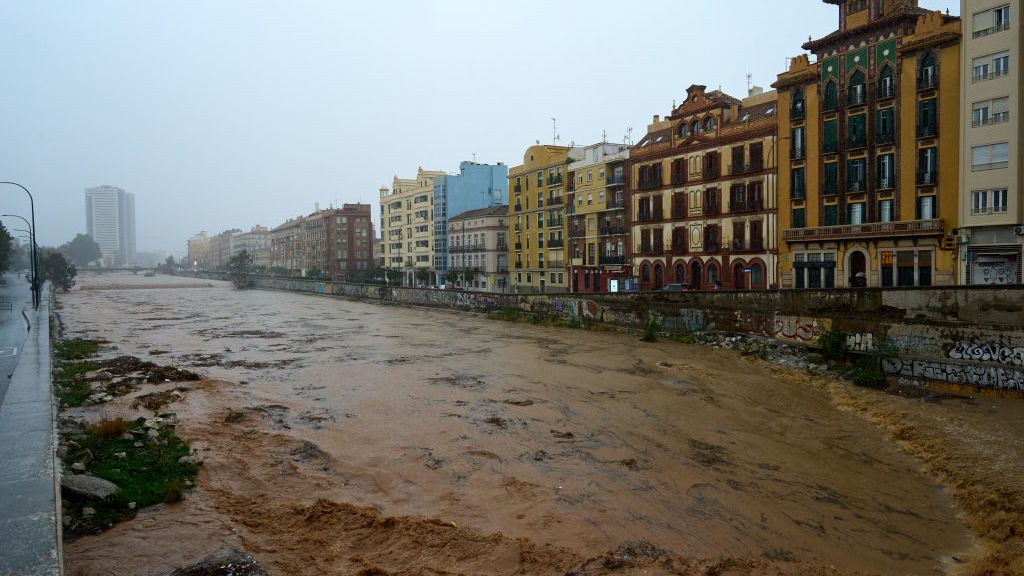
(226, 114)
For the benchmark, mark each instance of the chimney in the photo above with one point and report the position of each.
(657, 118)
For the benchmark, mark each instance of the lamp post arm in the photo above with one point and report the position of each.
(35, 252)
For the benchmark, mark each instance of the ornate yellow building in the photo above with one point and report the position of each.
(536, 204)
(869, 150)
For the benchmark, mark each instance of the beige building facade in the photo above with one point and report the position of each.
(478, 249)
(597, 232)
(407, 227)
(991, 229)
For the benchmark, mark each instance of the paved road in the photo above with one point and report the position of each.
(13, 328)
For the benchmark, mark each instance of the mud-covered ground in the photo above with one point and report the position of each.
(346, 437)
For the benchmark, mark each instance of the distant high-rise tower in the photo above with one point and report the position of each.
(110, 221)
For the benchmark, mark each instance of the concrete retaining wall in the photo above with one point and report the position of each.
(970, 336)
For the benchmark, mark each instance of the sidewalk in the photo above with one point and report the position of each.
(30, 521)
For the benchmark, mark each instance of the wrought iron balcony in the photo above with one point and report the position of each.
(611, 260)
(615, 180)
(927, 178)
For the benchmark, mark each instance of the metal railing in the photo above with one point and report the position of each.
(904, 228)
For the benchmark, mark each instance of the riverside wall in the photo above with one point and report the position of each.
(960, 336)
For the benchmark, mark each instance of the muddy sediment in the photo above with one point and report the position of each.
(343, 437)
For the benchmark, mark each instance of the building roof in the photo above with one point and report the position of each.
(501, 210)
(904, 13)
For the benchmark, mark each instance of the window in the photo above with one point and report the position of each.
(987, 112)
(886, 177)
(927, 168)
(797, 107)
(540, 177)
(420, 199)
(991, 66)
(991, 21)
(926, 208)
(831, 132)
(857, 129)
(988, 201)
(886, 83)
(856, 175)
(990, 157)
(831, 180)
(927, 123)
(831, 214)
(709, 123)
(884, 127)
(799, 221)
(854, 6)
(798, 148)
(797, 183)
(885, 211)
(927, 76)
(831, 100)
(684, 131)
(855, 213)
(856, 91)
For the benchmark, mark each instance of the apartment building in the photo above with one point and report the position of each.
(537, 219)
(702, 193)
(218, 253)
(407, 227)
(286, 248)
(255, 243)
(597, 221)
(475, 186)
(110, 221)
(868, 189)
(991, 209)
(198, 250)
(478, 249)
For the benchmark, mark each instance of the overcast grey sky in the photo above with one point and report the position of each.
(221, 114)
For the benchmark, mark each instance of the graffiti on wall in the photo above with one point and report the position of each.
(968, 350)
(973, 375)
(800, 329)
(864, 342)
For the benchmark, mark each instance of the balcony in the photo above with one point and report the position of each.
(613, 203)
(711, 247)
(886, 182)
(678, 178)
(649, 184)
(856, 186)
(680, 246)
(519, 245)
(554, 180)
(876, 229)
(886, 89)
(737, 169)
(577, 233)
(501, 246)
(884, 137)
(748, 206)
(798, 193)
(556, 243)
(828, 146)
(652, 250)
(796, 111)
(555, 266)
(647, 217)
(678, 213)
(615, 180)
(927, 178)
(611, 260)
(611, 231)
(502, 269)
(710, 210)
(830, 104)
(798, 153)
(710, 173)
(857, 95)
(519, 265)
(927, 130)
(857, 141)
(556, 201)
(518, 227)
(991, 30)
(556, 223)
(518, 188)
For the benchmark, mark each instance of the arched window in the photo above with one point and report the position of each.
(659, 277)
(695, 274)
(857, 93)
(712, 273)
(886, 84)
(927, 74)
(739, 280)
(797, 109)
(680, 272)
(709, 123)
(830, 95)
(684, 131)
(756, 275)
(695, 127)
(645, 273)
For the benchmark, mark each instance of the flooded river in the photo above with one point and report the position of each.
(332, 429)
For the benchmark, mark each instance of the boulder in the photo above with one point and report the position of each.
(88, 486)
(223, 562)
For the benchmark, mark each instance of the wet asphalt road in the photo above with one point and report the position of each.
(13, 328)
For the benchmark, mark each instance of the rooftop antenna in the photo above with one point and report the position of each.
(554, 130)
(474, 157)
(749, 77)
(629, 136)
(604, 136)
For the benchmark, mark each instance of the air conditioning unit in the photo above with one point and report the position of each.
(963, 239)
(1018, 230)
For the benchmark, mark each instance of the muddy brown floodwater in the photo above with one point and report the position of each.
(346, 437)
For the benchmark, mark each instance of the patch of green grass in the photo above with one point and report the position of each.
(150, 474)
(69, 383)
(651, 327)
(76, 349)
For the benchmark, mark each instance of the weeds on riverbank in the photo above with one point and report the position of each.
(70, 368)
(147, 467)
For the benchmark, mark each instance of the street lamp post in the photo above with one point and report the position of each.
(32, 243)
(35, 253)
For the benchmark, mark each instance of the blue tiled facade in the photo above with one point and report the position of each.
(476, 186)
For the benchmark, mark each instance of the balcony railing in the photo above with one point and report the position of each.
(501, 246)
(857, 95)
(647, 217)
(856, 186)
(886, 89)
(796, 110)
(884, 137)
(519, 207)
(556, 265)
(556, 201)
(885, 183)
(611, 231)
(991, 30)
(882, 229)
(830, 104)
(615, 180)
(680, 246)
(798, 152)
(577, 233)
(747, 206)
(713, 172)
(737, 169)
(649, 184)
(927, 178)
(518, 188)
(678, 213)
(554, 180)
(519, 245)
(652, 250)
(711, 247)
(997, 118)
(614, 203)
(556, 223)
(927, 78)
(856, 141)
(519, 265)
(927, 130)
(556, 243)
(611, 260)
(710, 209)
(467, 248)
